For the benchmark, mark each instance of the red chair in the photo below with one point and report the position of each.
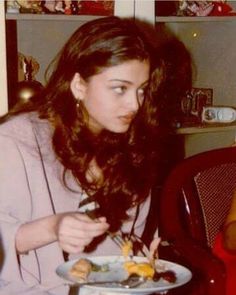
(192, 208)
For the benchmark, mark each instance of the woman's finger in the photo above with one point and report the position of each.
(154, 248)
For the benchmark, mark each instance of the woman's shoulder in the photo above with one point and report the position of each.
(15, 124)
(22, 127)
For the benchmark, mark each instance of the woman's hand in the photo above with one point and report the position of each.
(74, 231)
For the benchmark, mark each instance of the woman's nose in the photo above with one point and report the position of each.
(133, 103)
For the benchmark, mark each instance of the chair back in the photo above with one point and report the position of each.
(197, 195)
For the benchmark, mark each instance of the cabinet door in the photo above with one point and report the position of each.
(145, 10)
(3, 71)
(124, 8)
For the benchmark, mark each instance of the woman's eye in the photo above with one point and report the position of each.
(120, 89)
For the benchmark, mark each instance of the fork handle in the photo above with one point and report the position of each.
(115, 283)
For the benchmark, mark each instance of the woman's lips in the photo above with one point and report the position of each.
(126, 119)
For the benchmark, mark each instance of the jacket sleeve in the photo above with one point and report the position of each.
(15, 206)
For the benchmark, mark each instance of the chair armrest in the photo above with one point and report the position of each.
(209, 274)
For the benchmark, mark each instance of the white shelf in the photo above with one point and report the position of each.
(188, 19)
(206, 129)
(166, 19)
(51, 17)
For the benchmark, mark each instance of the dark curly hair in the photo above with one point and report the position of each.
(128, 161)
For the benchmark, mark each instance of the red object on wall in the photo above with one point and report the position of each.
(95, 7)
(222, 9)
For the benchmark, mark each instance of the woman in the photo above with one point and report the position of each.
(225, 247)
(80, 158)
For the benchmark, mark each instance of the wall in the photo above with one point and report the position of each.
(213, 51)
(46, 39)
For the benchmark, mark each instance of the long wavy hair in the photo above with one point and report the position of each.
(128, 161)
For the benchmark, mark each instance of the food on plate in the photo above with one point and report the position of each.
(168, 275)
(143, 269)
(81, 269)
(147, 269)
(100, 267)
(127, 247)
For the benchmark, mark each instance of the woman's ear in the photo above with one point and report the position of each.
(78, 87)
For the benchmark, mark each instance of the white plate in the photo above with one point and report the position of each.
(116, 272)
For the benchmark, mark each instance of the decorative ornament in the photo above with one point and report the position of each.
(13, 6)
(28, 87)
(205, 8)
(30, 6)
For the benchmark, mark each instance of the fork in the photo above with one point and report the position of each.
(121, 238)
(133, 281)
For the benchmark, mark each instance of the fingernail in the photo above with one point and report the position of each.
(102, 219)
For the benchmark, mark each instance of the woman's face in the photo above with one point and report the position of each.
(113, 97)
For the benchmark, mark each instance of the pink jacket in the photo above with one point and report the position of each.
(30, 188)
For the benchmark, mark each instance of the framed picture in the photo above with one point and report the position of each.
(192, 105)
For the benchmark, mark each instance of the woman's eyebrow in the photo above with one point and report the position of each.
(120, 80)
(128, 82)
